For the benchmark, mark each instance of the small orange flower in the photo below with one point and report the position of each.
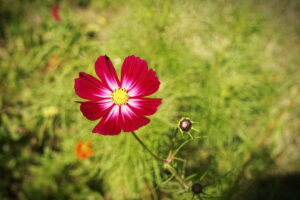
(84, 149)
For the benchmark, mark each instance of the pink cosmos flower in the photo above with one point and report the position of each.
(121, 104)
(55, 13)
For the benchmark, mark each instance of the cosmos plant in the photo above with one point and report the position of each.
(123, 105)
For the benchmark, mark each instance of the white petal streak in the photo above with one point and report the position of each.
(106, 104)
(126, 111)
(113, 113)
(113, 84)
(134, 103)
(104, 93)
(135, 91)
(126, 83)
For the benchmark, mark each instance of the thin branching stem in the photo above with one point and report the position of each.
(167, 165)
(147, 149)
(177, 176)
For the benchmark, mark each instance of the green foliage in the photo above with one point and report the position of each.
(232, 67)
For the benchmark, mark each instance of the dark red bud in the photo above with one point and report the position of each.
(197, 188)
(185, 125)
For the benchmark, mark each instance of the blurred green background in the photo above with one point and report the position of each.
(230, 66)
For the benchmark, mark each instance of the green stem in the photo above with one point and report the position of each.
(167, 165)
(147, 149)
(177, 176)
(184, 143)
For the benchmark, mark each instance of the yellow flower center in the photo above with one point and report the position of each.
(120, 96)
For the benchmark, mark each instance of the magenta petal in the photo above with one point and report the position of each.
(147, 85)
(144, 106)
(91, 79)
(132, 121)
(132, 69)
(137, 78)
(107, 73)
(93, 110)
(110, 124)
(88, 87)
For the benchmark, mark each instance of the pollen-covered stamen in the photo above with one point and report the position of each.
(120, 96)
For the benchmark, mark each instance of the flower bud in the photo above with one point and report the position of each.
(185, 125)
(197, 188)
